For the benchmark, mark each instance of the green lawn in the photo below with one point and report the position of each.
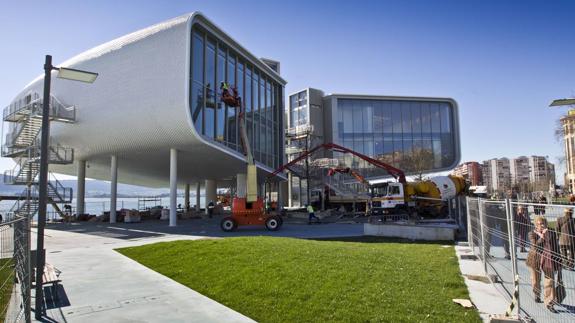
(294, 280)
(6, 283)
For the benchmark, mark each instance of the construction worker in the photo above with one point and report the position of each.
(311, 214)
(211, 207)
(232, 100)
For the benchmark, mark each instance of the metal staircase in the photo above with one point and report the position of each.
(22, 143)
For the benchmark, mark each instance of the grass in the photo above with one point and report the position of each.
(293, 280)
(6, 283)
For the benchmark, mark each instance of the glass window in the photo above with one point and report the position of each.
(367, 111)
(248, 103)
(262, 119)
(378, 116)
(435, 133)
(231, 113)
(426, 127)
(357, 117)
(212, 63)
(210, 89)
(197, 96)
(269, 124)
(255, 116)
(447, 142)
(397, 131)
(406, 127)
(220, 106)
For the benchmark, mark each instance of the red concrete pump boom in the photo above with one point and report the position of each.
(397, 173)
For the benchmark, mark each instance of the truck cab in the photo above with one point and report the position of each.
(387, 198)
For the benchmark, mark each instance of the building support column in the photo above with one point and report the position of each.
(289, 191)
(283, 199)
(211, 192)
(81, 188)
(187, 197)
(198, 196)
(173, 187)
(241, 185)
(113, 188)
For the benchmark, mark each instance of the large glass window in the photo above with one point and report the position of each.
(220, 106)
(213, 62)
(298, 109)
(197, 95)
(209, 114)
(413, 135)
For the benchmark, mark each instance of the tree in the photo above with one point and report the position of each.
(417, 161)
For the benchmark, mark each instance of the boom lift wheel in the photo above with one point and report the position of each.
(228, 224)
(273, 223)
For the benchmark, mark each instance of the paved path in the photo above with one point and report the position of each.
(102, 285)
(486, 296)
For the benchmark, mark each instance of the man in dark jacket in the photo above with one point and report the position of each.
(566, 230)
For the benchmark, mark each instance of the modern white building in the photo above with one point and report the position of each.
(154, 116)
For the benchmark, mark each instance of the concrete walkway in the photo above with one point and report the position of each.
(484, 295)
(102, 285)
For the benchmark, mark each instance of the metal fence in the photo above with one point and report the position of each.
(15, 270)
(504, 234)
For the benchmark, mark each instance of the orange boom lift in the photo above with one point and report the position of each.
(249, 210)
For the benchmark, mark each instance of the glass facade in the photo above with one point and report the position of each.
(212, 62)
(298, 109)
(414, 136)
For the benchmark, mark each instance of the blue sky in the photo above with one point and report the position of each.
(502, 61)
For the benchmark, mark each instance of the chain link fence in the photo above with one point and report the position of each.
(15, 271)
(533, 267)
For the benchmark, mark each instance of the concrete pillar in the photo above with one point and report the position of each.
(283, 194)
(289, 191)
(211, 192)
(113, 188)
(198, 186)
(173, 187)
(241, 188)
(81, 187)
(187, 197)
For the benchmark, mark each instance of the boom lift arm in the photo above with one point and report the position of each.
(234, 100)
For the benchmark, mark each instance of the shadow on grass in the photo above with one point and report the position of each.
(377, 239)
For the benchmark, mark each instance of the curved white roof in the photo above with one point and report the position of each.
(138, 108)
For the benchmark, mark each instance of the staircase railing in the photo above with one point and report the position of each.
(23, 108)
(57, 192)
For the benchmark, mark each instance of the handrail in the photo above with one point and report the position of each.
(33, 105)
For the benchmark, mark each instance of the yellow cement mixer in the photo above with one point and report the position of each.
(426, 198)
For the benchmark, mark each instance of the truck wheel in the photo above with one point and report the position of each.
(273, 223)
(228, 224)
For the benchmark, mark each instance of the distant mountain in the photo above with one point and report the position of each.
(95, 188)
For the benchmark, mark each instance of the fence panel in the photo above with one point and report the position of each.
(15, 270)
(504, 234)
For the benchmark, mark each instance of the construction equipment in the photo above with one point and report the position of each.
(249, 210)
(424, 198)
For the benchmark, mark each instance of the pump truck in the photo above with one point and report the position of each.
(249, 210)
(425, 198)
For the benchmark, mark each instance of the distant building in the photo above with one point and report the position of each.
(541, 173)
(526, 174)
(496, 175)
(519, 171)
(471, 171)
(568, 123)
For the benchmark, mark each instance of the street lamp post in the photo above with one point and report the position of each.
(70, 74)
